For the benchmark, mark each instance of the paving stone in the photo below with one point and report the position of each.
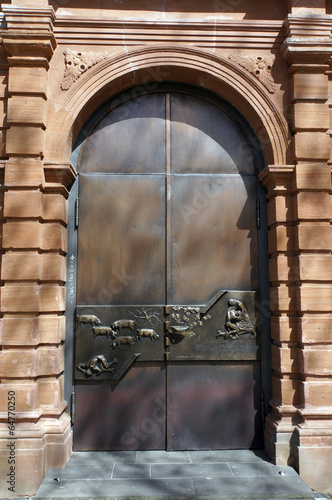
(253, 488)
(190, 470)
(163, 457)
(132, 471)
(81, 472)
(263, 469)
(105, 457)
(229, 456)
(148, 488)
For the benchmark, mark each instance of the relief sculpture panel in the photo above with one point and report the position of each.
(107, 336)
(204, 332)
(116, 335)
(237, 321)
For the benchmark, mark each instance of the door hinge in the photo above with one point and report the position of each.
(72, 408)
(77, 206)
(258, 214)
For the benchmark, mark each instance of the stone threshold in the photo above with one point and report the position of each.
(161, 475)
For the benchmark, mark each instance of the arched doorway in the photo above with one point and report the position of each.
(168, 333)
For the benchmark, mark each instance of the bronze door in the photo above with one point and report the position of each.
(167, 335)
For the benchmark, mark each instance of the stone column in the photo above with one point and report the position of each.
(33, 269)
(299, 428)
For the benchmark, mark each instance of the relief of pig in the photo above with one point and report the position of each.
(123, 340)
(88, 318)
(123, 323)
(144, 332)
(104, 330)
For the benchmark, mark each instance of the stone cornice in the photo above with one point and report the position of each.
(30, 46)
(39, 428)
(308, 39)
(323, 413)
(28, 34)
(285, 411)
(278, 179)
(219, 34)
(58, 177)
(300, 51)
(243, 24)
(308, 25)
(24, 17)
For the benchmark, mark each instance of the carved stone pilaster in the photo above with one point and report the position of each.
(30, 43)
(281, 423)
(43, 428)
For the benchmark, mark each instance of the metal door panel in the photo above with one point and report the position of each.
(121, 256)
(204, 139)
(207, 333)
(124, 336)
(214, 239)
(125, 415)
(167, 285)
(129, 139)
(214, 406)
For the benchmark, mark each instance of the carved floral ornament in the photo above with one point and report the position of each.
(77, 63)
(260, 67)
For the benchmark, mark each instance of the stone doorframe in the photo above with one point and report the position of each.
(37, 173)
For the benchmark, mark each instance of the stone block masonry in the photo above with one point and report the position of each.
(40, 117)
(33, 268)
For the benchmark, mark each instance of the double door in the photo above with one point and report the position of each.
(167, 331)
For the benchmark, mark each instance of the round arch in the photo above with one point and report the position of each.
(146, 66)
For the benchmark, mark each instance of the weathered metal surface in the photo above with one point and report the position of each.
(214, 406)
(214, 237)
(201, 340)
(124, 415)
(124, 331)
(206, 139)
(121, 240)
(167, 220)
(131, 138)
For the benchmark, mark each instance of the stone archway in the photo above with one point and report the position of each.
(143, 67)
(160, 63)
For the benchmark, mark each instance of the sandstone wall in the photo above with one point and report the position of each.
(61, 59)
